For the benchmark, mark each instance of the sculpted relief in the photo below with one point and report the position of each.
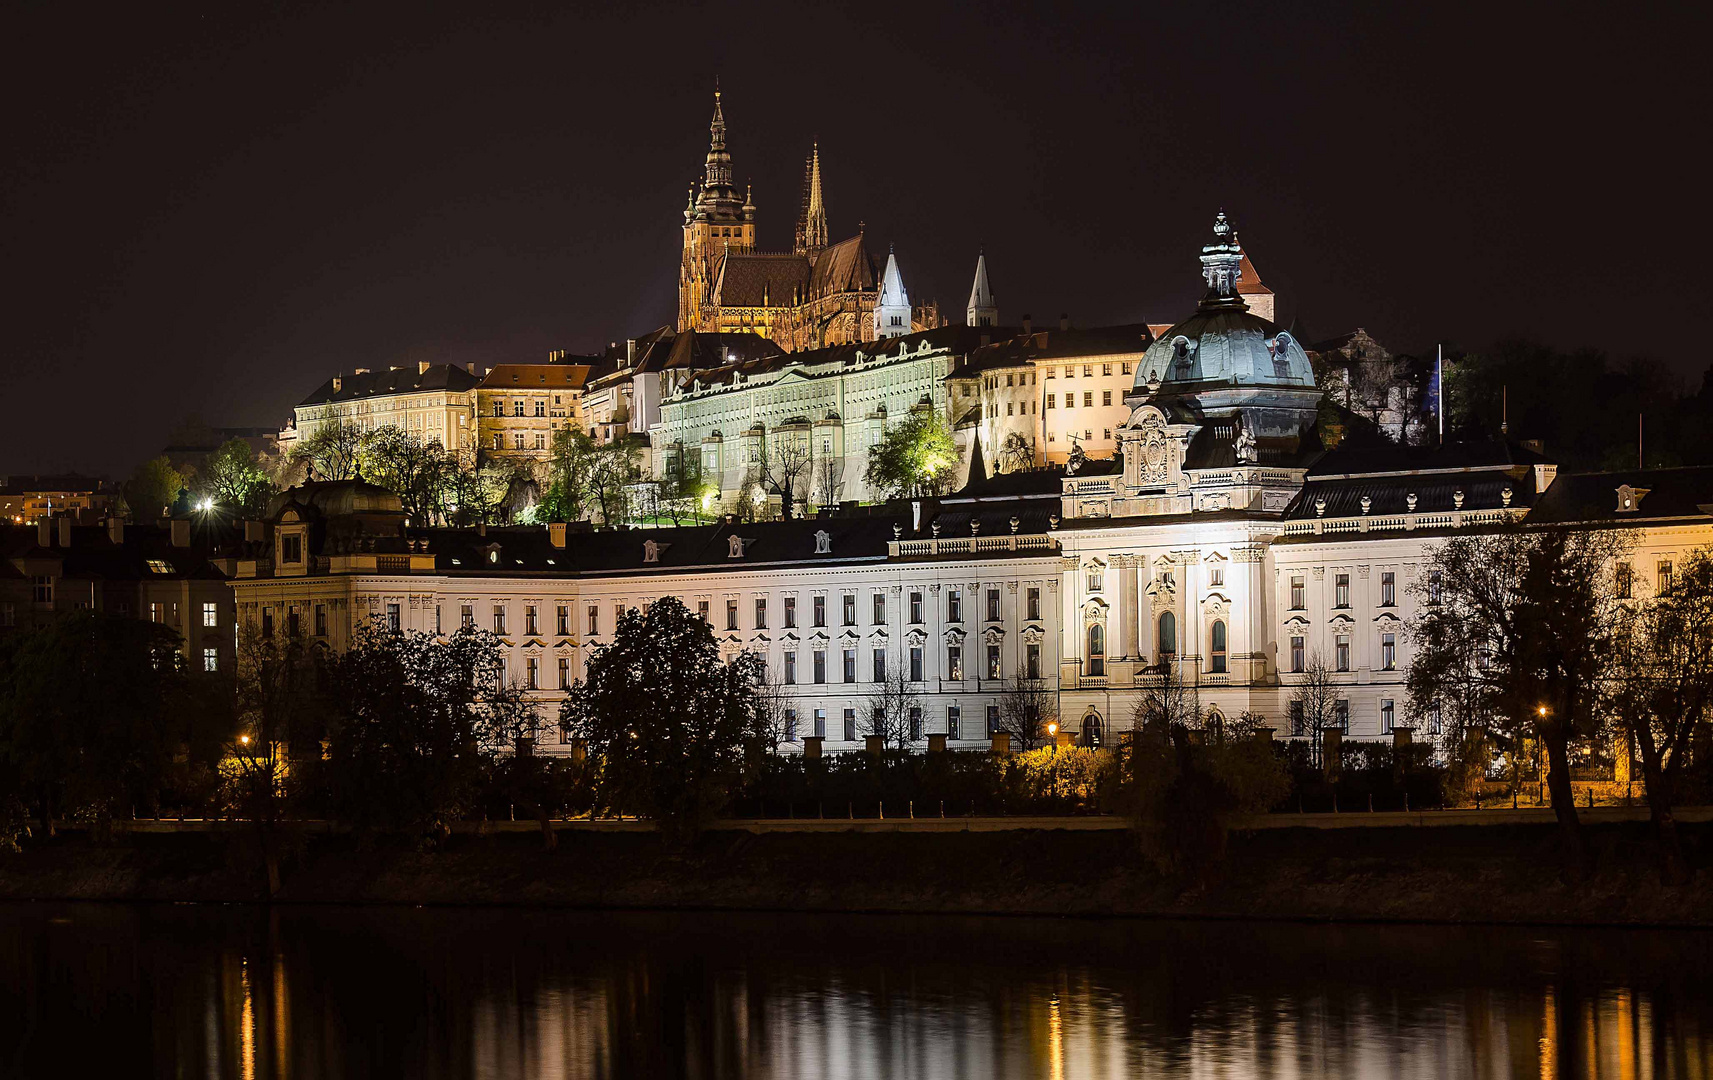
(1156, 455)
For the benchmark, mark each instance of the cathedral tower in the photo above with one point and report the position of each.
(715, 220)
(983, 309)
(812, 220)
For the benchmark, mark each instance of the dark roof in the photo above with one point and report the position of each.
(762, 360)
(1393, 458)
(559, 376)
(19, 484)
(1388, 475)
(1671, 493)
(1011, 347)
(843, 267)
(399, 380)
(145, 551)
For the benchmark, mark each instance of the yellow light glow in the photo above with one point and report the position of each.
(245, 739)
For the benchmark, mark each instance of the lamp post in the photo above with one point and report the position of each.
(1053, 736)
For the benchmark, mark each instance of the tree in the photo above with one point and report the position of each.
(152, 489)
(774, 702)
(486, 490)
(1661, 691)
(1028, 706)
(829, 480)
(330, 452)
(785, 467)
(89, 712)
(589, 481)
(665, 716)
(1518, 634)
(416, 718)
(916, 456)
(1314, 698)
(417, 472)
(895, 709)
(280, 706)
(234, 481)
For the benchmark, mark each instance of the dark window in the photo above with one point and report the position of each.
(1097, 649)
(879, 607)
(761, 613)
(790, 668)
(1034, 604)
(1032, 661)
(392, 617)
(1218, 658)
(850, 665)
(915, 607)
(993, 605)
(953, 717)
(850, 609)
(820, 665)
(880, 665)
(790, 612)
(820, 611)
(731, 614)
(850, 725)
(915, 663)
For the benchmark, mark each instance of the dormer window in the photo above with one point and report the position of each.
(1630, 498)
(291, 548)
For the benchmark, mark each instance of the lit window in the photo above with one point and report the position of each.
(993, 662)
(160, 566)
(210, 659)
(955, 662)
(210, 613)
(1341, 591)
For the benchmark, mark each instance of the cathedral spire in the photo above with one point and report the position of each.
(892, 308)
(983, 308)
(718, 169)
(812, 223)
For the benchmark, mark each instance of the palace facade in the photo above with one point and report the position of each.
(1223, 543)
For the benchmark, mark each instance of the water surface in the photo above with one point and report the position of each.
(115, 990)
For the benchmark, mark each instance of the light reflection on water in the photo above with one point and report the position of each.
(332, 992)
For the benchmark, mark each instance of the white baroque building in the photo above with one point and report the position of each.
(1224, 543)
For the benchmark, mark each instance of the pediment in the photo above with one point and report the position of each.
(1033, 635)
(954, 636)
(1297, 621)
(993, 635)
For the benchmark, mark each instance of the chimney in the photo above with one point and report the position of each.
(337, 383)
(44, 532)
(254, 532)
(181, 532)
(556, 534)
(1064, 320)
(65, 532)
(422, 367)
(116, 529)
(1028, 324)
(630, 351)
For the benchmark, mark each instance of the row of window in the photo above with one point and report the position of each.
(540, 441)
(915, 722)
(1341, 590)
(1341, 717)
(878, 664)
(1626, 579)
(1088, 399)
(1166, 644)
(1341, 653)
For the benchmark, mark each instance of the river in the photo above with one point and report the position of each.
(310, 992)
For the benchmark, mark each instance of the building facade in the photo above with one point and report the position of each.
(434, 402)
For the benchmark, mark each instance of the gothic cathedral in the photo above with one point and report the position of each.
(815, 295)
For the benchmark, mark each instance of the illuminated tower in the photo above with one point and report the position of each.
(892, 309)
(983, 309)
(716, 220)
(812, 220)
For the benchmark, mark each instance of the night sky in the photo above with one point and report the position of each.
(207, 211)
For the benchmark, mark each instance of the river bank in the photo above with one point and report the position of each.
(1491, 873)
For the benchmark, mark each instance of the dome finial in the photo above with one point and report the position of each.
(1221, 264)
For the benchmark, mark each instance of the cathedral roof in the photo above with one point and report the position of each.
(751, 279)
(843, 267)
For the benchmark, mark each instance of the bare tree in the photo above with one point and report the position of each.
(891, 706)
(1314, 699)
(1166, 702)
(1028, 706)
(774, 703)
(278, 699)
(1518, 630)
(784, 468)
(1661, 690)
(829, 480)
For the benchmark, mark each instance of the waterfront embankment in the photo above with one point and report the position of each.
(1504, 869)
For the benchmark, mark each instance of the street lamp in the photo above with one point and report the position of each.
(1053, 736)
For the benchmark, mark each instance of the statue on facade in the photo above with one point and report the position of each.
(1244, 446)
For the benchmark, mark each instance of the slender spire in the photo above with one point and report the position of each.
(892, 307)
(812, 224)
(717, 199)
(983, 308)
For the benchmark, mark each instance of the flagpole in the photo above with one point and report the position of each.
(1439, 383)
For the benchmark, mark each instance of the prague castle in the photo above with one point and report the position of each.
(815, 295)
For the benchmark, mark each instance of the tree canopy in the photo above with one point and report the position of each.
(152, 489)
(916, 456)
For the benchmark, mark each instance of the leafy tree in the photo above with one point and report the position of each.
(416, 718)
(233, 479)
(331, 452)
(88, 712)
(916, 456)
(1518, 636)
(1028, 706)
(666, 718)
(1662, 690)
(589, 481)
(152, 488)
(487, 491)
(418, 472)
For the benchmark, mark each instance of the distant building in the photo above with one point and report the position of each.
(166, 575)
(1364, 376)
(189, 444)
(434, 402)
(518, 407)
(25, 500)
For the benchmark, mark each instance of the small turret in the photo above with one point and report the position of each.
(1221, 265)
(983, 308)
(892, 309)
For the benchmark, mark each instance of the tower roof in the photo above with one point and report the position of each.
(812, 224)
(717, 200)
(892, 292)
(983, 308)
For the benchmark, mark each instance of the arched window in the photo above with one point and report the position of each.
(1092, 734)
(1218, 650)
(1097, 649)
(1168, 635)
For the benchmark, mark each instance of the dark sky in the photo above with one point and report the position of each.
(208, 210)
